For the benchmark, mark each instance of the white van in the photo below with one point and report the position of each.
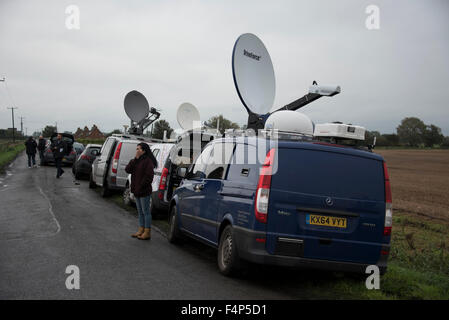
(108, 169)
(161, 152)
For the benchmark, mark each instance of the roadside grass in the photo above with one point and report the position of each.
(418, 266)
(8, 152)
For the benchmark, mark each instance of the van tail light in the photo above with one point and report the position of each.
(263, 188)
(116, 157)
(388, 204)
(85, 157)
(163, 181)
(72, 152)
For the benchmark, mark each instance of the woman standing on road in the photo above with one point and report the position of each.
(141, 169)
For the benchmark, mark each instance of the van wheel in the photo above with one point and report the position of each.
(105, 190)
(127, 196)
(92, 184)
(228, 259)
(173, 233)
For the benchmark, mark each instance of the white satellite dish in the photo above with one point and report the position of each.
(136, 106)
(253, 74)
(290, 121)
(188, 116)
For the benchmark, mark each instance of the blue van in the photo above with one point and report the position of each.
(307, 204)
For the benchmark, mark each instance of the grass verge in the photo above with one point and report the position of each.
(8, 152)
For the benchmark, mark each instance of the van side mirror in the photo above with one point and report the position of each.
(181, 172)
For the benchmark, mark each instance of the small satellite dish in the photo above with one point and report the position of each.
(188, 116)
(136, 106)
(253, 74)
(290, 121)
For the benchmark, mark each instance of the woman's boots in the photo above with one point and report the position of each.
(138, 233)
(146, 235)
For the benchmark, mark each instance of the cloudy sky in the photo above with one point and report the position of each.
(180, 51)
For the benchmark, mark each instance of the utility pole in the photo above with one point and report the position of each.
(13, 134)
(21, 125)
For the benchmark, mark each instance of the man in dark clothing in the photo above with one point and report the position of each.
(58, 147)
(31, 145)
(141, 169)
(41, 148)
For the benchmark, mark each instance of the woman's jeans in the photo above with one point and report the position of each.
(143, 207)
(31, 156)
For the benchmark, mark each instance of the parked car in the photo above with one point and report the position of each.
(324, 206)
(108, 168)
(161, 152)
(83, 163)
(78, 147)
(70, 157)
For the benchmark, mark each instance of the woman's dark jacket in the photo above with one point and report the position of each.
(31, 146)
(142, 172)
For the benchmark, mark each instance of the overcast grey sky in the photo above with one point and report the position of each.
(180, 51)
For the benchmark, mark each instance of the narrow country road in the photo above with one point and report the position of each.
(47, 224)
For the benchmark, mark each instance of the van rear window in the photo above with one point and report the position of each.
(329, 174)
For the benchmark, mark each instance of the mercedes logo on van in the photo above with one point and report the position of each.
(329, 201)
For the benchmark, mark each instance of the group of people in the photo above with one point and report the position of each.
(31, 149)
(58, 148)
(141, 169)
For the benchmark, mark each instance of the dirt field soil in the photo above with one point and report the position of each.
(419, 181)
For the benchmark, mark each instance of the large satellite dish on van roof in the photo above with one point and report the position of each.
(136, 106)
(253, 74)
(188, 116)
(255, 82)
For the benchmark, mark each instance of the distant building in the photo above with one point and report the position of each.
(85, 133)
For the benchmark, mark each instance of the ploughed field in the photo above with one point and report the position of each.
(419, 181)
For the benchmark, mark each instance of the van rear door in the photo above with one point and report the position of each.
(332, 201)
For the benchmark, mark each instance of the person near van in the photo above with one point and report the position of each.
(141, 169)
(41, 148)
(58, 147)
(31, 146)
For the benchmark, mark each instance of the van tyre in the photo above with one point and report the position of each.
(127, 196)
(92, 184)
(227, 257)
(173, 233)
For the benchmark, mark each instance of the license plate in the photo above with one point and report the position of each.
(319, 220)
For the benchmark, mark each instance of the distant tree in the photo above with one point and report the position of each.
(115, 131)
(224, 123)
(433, 136)
(48, 131)
(445, 143)
(159, 128)
(391, 140)
(411, 131)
